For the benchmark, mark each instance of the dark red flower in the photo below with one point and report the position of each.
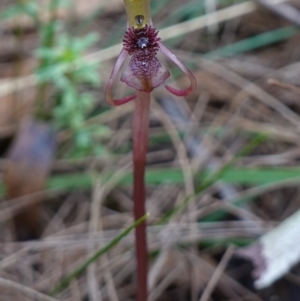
(144, 72)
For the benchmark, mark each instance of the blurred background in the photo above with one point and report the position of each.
(222, 171)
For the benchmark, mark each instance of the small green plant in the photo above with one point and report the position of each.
(29, 8)
(64, 76)
(71, 104)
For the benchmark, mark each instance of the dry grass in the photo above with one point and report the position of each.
(191, 256)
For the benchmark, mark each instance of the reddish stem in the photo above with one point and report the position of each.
(140, 145)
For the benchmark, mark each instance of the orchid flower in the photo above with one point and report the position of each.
(141, 42)
(144, 73)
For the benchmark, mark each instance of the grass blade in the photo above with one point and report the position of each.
(66, 281)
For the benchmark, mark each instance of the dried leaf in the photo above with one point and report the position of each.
(29, 162)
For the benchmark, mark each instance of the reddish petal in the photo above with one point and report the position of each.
(108, 93)
(184, 69)
(144, 73)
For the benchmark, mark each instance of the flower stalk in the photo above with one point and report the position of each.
(140, 145)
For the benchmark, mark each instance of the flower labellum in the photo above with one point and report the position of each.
(144, 72)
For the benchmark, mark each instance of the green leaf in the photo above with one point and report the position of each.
(48, 53)
(64, 3)
(88, 75)
(82, 139)
(52, 73)
(81, 44)
(31, 9)
(238, 176)
(12, 11)
(255, 42)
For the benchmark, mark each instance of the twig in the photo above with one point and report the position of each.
(283, 10)
(10, 208)
(100, 192)
(248, 88)
(179, 146)
(31, 293)
(163, 284)
(217, 274)
(226, 281)
(285, 86)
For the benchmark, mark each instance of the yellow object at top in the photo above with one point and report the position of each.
(138, 12)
